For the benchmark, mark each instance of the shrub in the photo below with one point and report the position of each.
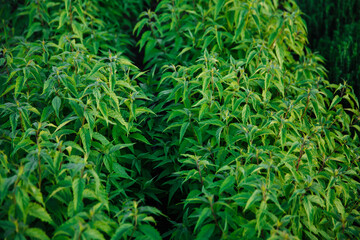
(230, 131)
(70, 120)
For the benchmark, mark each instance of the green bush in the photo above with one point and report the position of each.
(229, 132)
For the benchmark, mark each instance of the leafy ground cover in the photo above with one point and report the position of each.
(226, 129)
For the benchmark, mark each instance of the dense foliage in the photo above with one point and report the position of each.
(334, 28)
(229, 130)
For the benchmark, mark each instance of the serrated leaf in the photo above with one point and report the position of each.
(250, 56)
(78, 186)
(139, 25)
(280, 55)
(91, 233)
(35, 27)
(8, 89)
(67, 7)
(218, 134)
(184, 51)
(245, 113)
(140, 137)
(206, 232)
(150, 232)
(104, 110)
(241, 23)
(120, 171)
(39, 212)
(339, 206)
(20, 81)
(315, 107)
(121, 230)
(62, 19)
(255, 197)
(117, 147)
(335, 101)
(85, 138)
(56, 103)
(22, 144)
(183, 129)
(228, 183)
(203, 110)
(96, 68)
(205, 213)
(36, 233)
(308, 209)
(219, 5)
(213, 122)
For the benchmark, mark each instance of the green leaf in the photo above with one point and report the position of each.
(35, 27)
(104, 110)
(205, 213)
(56, 103)
(309, 210)
(280, 55)
(93, 234)
(245, 113)
(339, 206)
(22, 144)
(120, 171)
(140, 137)
(241, 23)
(78, 186)
(184, 50)
(8, 89)
(121, 230)
(274, 34)
(36, 233)
(85, 138)
(228, 183)
(77, 30)
(213, 122)
(62, 19)
(218, 134)
(309, 156)
(219, 5)
(139, 25)
(20, 81)
(64, 123)
(150, 232)
(251, 56)
(183, 129)
(315, 107)
(39, 212)
(255, 197)
(119, 146)
(283, 135)
(203, 109)
(335, 101)
(96, 68)
(89, 119)
(117, 115)
(206, 232)
(68, 7)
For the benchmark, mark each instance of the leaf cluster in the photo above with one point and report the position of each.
(229, 132)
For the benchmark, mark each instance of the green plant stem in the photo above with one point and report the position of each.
(307, 105)
(300, 155)
(214, 216)
(198, 168)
